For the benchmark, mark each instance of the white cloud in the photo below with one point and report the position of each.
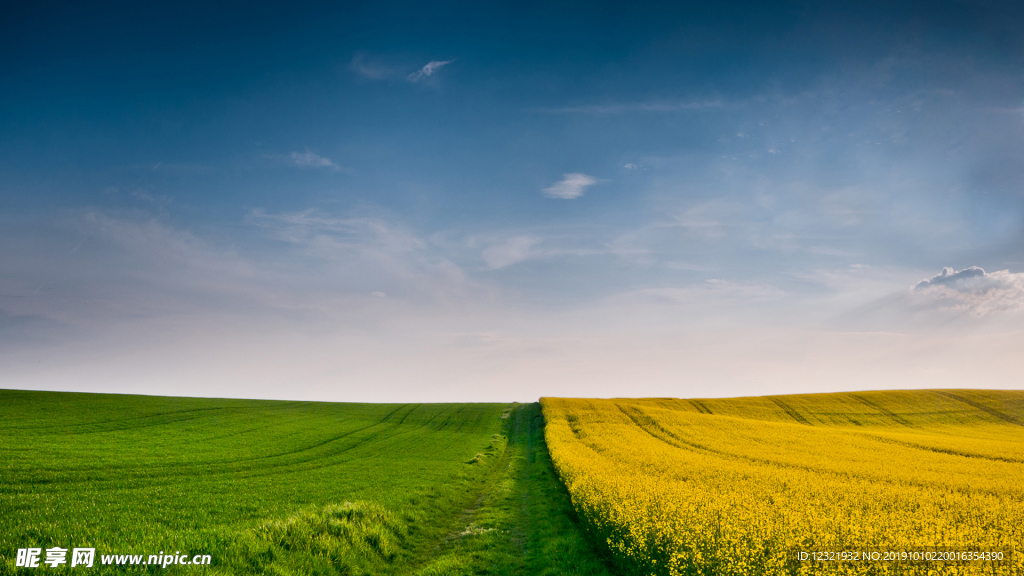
(572, 185)
(714, 218)
(341, 239)
(948, 303)
(510, 252)
(501, 251)
(372, 68)
(308, 159)
(695, 222)
(428, 70)
(949, 277)
(360, 308)
(363, 66)
(710, 293)
(364, 254)
(662, 106)
(99, 271)
(103, 269)
(971, 290)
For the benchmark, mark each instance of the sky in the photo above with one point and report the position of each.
(392, 202)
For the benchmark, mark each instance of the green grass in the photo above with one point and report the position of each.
(269, 487)
(523, 522)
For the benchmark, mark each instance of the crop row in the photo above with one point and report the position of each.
(673, 489)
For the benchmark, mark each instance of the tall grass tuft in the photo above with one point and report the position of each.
(352, 538)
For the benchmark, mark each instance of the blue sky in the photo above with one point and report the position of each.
(450, 201)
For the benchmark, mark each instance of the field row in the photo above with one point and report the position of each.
(741, 486)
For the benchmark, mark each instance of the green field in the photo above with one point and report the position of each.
(268, 487)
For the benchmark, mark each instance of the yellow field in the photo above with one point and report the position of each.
(740, 486)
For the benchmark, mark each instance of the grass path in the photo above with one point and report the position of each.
(521, 522)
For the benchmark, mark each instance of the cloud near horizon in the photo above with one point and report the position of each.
(948, 303)
(337, 297)
(971, 290)
(572, 186)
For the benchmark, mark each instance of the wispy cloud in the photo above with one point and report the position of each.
(713, 289)
(376, 68)
(365, 254)
(697, 221)
(363, 66)
(1017, 110)
(312, 229)
(523, 247)
(631, 107)
(572, 186)
(309, 159)
(510, 252)
(427, 70)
